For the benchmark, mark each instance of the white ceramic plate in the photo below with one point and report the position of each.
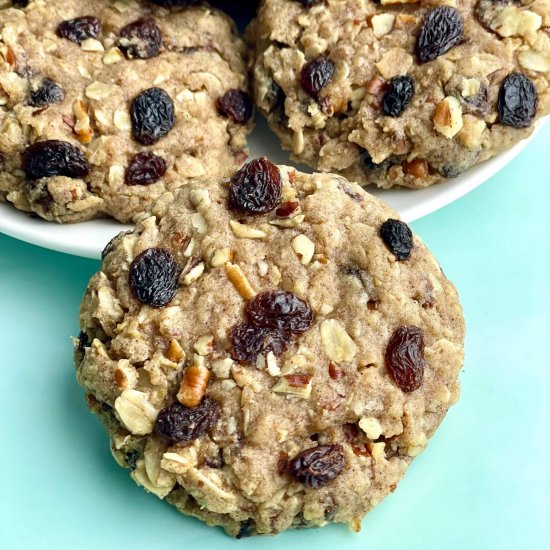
(89, 238)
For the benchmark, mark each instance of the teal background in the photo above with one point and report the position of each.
(483, 483)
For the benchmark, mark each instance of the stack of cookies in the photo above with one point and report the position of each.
(267, 349)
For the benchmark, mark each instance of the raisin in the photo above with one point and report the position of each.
(316, 75)
(309, 3)
(153, 277)
(48, 93)
(20, 3)
(281, 310)
(141, 39)
(477, 104)
(181, 424)
(441, 30)
(80, 29)
(398, 95)
(368, 164)
(287, 209)
(275, 98)
(517, 101)
(113, 243)
(83, 342)
(152, 115)
(131, 458)
(404, 358)
(318, 466)
(249, 341)
(237, 105)
(256, 188)
(54, 158)
(398, 237)
(246, 530)
(144, 169)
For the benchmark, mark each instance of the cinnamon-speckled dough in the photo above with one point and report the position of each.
(130, 357)
(345, 130)
(202, 57)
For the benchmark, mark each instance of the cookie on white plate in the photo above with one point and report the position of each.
(398, 93)
(107, 105)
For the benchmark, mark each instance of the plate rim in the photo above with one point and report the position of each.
(20, 225)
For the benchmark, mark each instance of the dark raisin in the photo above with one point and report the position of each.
(237, 105)
(287, 209)
(144, 169)
(398, 237)
(152, 115)
(80, 29)
(275, 98)
(318, 466)
(281, 310)
(131, 458)
(309, 3)
(83, 342)
(153, 277)
(141, 39)
(113, 243)
(441, 30)
(477, 104)
(54, 158)
(256, 188)
(316, 75)
(249, 341)
(398, 95)
(367, 163)
(247, 529)
(181, 424)
(404, 358)
(517, 101)
(20, 3)
(48, 93)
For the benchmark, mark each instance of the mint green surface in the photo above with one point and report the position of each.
(483, 483)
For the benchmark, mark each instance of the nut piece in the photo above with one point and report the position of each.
(378, 451)
(194, 273)
(221, 257)
(112, 56)
(200, 197)
(470, 87)
(371, 427)
(82, 126)
(92, 45)
(193, 385)
(240, 282)
(448, 117)
(199, 223)
(204, 345)
(512, 21)
(222, 367)
(382, 24)
(298, 385)
(244, 231)
(394, 62)
(337, 343)
(175, 352)
(304, 248)
(136, 412)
